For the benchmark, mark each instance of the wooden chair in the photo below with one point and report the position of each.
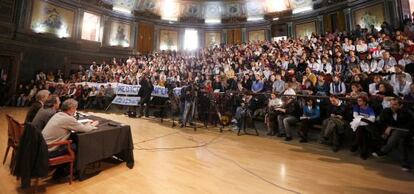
(15, 131)
(63, 159)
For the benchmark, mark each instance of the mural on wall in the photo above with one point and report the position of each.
(168, 40)
(301, 3)
(373, 15)
(257, 35)
(48, 18)
(305, 29)
(212, 39)
(120, 34)
(90, 27)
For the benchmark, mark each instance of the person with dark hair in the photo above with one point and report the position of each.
(374, 86)
(145, 94)
(362, 125)
(4, 89)
(399, 126)
(410, 95)
(322, 86)
(288, 116)
(188, 95)
(311, 116)
(356, 91)
(333, 127)
(49, 109)
(337, 87)
(271, 115)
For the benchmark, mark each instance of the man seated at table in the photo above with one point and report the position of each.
(41, 97)
(61, 124)
(59, 128)
(49, 109)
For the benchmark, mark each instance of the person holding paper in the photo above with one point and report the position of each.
(59, 128)
(271, 115)
(311, 116)
(62, 123)
(333, 127)
(287, 117)
(362, 125)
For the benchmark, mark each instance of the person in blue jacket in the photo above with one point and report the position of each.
(311, 116)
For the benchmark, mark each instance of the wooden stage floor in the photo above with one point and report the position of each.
(173, 160)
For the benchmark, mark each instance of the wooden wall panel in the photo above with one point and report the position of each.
(238, 36)
(234, 36)
(7, 10)
(145, 40)
(341, 21)
(327, 23)
(230, 36)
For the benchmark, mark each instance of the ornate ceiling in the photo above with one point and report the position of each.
(205, 9)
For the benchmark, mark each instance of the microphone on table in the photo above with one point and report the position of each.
(113, 124)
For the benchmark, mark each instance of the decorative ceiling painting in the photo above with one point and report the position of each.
(212, 8)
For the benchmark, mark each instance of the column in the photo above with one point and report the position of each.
(391, 12)
(224, 36)
(201, 38)
(244, 35)
(135, 37)
(268, 34)
(290, 31)
(156, 38)
(181, 38)
(77, 33)
(320, 27)
(348, 19)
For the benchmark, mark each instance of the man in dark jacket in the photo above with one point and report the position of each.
(44, 114)
(145, 94)
(4, 89)
(188, 95)
(41, 97)
(289, 115)
(334, 126)
(398, 123)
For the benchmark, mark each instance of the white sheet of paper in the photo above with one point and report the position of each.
(84, 121)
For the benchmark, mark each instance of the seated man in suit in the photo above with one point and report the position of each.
(59, 128)
(49, 109)
(41, 97)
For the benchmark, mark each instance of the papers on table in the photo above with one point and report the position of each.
(83, 121)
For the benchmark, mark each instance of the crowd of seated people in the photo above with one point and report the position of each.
(362, 81)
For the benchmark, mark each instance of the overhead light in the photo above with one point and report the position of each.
(302, 9)
(212, 21)
(275, 19)
(256, 18)
(122, 10)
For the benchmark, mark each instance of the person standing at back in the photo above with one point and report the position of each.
(145, 94)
